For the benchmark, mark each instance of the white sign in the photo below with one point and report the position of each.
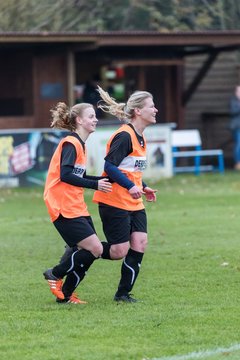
(159, 155)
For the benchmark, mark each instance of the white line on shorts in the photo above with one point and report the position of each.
(201, 354)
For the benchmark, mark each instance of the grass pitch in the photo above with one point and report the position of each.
(189, 282)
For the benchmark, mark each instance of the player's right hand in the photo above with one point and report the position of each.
(135, 192)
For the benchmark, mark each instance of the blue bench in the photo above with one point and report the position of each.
(191, 140)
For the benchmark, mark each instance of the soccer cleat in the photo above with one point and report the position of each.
(54, 283)
(73, 299)
(125, 298)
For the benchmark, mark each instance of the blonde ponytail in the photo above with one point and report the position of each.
(110, 105)
(123, 111)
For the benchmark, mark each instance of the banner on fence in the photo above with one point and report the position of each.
(25, 154)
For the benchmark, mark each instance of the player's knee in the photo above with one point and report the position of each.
(139, 244)
(119, 251)
(97, 250)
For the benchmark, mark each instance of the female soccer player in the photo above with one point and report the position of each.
(64, 198)
(122, 210)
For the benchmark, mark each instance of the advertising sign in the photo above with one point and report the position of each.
(25, 154)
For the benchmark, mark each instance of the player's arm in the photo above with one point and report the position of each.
(121, 146)
(117, 176)
(68, 158)
(92, 177)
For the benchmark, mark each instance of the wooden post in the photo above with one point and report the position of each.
(71, 76)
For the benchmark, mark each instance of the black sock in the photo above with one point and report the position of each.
(106, 250)
(129, 271)
(73, 279)
(76, 262)
(68, 252)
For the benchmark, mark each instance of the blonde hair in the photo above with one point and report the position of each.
(64, 117)
(122, 111)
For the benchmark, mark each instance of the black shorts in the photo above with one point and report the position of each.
(118, 224)
(75, 229)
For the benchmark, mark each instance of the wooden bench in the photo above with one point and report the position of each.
(191, 140)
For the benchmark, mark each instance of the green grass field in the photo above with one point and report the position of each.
(189, 282)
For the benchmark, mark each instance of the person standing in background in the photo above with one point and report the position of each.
(91, 95)
(235, 126)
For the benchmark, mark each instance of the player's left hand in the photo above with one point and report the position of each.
(150, 194)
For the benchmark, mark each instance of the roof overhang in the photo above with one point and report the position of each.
(125, 38)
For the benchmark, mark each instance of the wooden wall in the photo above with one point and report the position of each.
(31, 84)
(208, 108)
(16, 90)
(164, 84)
(50, 85)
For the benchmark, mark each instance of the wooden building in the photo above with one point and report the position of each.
(190, 74)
